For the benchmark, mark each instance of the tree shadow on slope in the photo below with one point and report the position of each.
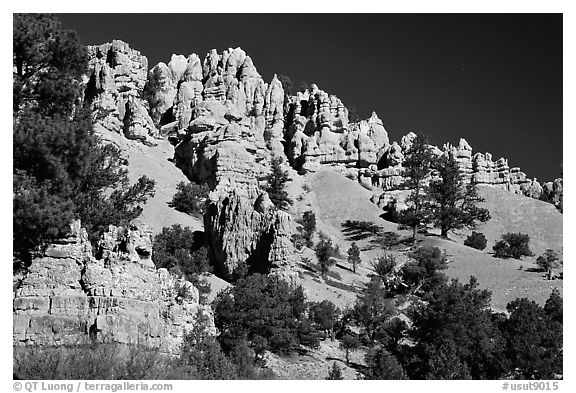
(355, 230)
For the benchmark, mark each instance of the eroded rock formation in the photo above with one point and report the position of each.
(70, 297)
(114, 89)
(242, 226)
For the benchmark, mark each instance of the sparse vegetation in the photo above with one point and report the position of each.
(476, 240)
(190, 198)
(513, 245)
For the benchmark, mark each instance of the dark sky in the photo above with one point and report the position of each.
(495, 80)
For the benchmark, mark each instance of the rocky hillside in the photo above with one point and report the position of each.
(215, 121)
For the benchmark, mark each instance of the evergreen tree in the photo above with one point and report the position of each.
(383, 365)
(325, 314)
(454, 203)
(349, 343)
(276, 184)
(373, 310)
(308, 226)
(354, 256)
(417, 169)
(335, 373)
(455, 334)
(264, 310)
(325, 254)
(534, 340)
(61, 170)
(48, 64)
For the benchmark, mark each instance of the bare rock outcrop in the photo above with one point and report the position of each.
(220, 148)
(69, 297)
(116, 79)
(319, 132)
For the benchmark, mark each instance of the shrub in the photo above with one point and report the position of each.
(512, 245)
(96, 361)
(335, 372)
(190, 198)
(180, 251)
(549, 260)
(476, 240)
(384, 266)
(422, 273)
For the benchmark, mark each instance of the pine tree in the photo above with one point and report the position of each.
(454, 204)
(335, 373)
(418, 167)
(325, 253)
(276, 184)
(61, 170)
(354, 256)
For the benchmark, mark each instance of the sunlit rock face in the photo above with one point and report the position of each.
(114, 89)
(70, 297)
(243, 227)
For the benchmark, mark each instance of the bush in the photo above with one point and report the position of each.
(180, 251)
(513, 245)
(190, 198)
(335, 373)
(549, 260)
(476, 240)
(422, 273)
(96, 361)
(384, 266)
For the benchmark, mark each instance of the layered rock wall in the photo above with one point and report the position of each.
(68, 297)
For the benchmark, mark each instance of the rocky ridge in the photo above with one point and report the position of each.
(69, 297)
(227, 124)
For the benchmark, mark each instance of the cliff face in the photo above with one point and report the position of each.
(70, 297)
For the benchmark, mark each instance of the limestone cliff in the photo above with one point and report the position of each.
(70, 297)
